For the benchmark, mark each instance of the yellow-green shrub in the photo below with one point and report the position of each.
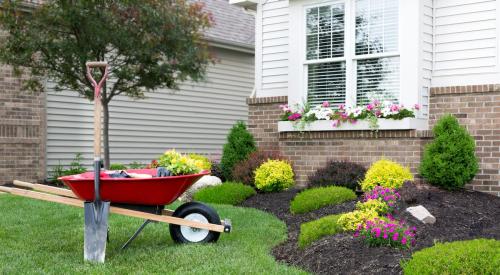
(378, 206)
(183, 166)
(178, 164)
(274, 175)
(351, 220)
(201, 161)
(386, 173)
(167, 157)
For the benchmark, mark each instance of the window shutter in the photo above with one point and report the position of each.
(327, 82)
(378, 78)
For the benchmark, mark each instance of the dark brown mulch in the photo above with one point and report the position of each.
(461, 215)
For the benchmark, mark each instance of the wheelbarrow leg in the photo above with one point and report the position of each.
(146, 222)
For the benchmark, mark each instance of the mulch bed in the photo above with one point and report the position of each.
(461, 215)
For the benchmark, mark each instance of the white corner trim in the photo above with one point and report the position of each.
(326, 125)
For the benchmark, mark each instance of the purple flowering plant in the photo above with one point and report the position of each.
(388, 195)
(387, 232)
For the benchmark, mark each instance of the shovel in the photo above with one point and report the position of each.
(96, 212)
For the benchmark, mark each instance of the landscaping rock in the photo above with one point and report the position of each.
(422, 214)
(203, 182)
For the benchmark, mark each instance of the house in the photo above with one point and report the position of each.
(38, 132)
(440, 54)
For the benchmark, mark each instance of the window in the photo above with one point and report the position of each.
(351, 51)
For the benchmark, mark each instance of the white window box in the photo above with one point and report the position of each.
(326, 125)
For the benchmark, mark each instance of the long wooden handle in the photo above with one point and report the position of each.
(46, 188)
(96, 64)
(112, 209)
(97, 128)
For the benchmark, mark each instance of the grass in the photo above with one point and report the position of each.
(479, 256)
(227, 193)
(47, 238)
(315, 230)
(317, 198)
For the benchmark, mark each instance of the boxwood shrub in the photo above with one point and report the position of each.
(481, 256)
(244, 171)
(449, 161)
(315, 230)
(316, 198)
(227, 193)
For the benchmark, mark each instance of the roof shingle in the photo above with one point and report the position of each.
(231, 25)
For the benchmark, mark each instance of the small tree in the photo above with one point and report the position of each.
(240, 144)
(149, 44)
(449, 161)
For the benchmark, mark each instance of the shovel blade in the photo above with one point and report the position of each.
(96, 231)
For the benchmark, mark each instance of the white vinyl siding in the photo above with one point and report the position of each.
(274, 52)
(194, 119)
(466, 42)
(427, 29)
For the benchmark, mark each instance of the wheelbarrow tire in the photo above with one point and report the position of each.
(197, 212)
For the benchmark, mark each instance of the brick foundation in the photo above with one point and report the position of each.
(22, 131)
(477, 107)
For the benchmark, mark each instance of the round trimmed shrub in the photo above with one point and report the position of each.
(227, 193)
(386, 173)
(201, 161)
(479, 256)
(240, 144)
(316, 198)
(351, 220)
(274, 175)
(449, 161)
(338, 173)
(244, 171)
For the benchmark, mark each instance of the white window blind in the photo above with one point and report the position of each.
(327, 83)
(378, 78)
(372, 53)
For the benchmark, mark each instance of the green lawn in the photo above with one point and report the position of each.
(41, 237)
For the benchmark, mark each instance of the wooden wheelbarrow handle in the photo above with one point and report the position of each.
(45, 188)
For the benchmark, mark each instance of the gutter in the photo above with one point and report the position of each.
(231, 45)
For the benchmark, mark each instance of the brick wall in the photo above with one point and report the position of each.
(22, 131)
(477, 107)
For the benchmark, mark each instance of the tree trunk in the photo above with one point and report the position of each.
(105, 132)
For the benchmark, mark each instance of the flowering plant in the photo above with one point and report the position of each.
(342, 113)
(389, 232)
(378, 206)
(384, 194)
(351, 220)
(178, 164)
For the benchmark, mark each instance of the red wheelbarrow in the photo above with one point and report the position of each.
(145, 198)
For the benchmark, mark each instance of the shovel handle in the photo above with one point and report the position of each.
(97, 119)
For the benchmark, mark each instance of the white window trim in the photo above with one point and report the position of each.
(409, 51)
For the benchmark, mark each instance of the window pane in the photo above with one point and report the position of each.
(326, 83)
(378, 78)
(376, 26)
(325, 32)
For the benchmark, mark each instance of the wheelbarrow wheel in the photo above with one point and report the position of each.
(194, 211)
